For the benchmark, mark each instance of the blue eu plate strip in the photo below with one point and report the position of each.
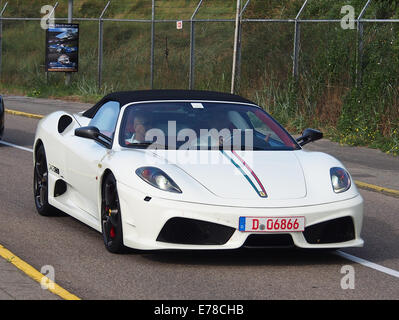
(241, 224)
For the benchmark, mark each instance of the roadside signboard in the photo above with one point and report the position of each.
(62, 48)
(179, 25)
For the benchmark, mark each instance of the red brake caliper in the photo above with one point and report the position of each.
(112, 233)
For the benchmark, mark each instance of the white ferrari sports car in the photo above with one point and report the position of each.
(177, 169)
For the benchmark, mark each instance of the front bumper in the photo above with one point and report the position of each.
(143, 221)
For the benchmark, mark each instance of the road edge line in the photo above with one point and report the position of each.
(36, 275)
(8, 144)
(368, 264)
(24, 114)
(372, 187)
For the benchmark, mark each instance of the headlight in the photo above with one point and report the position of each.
(158, 179)
(340, 179)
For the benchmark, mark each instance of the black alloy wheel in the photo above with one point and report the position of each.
(40, 184)
(111, 220)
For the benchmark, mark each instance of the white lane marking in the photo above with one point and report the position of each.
(342, 254)
(368, 264)
(15, 146)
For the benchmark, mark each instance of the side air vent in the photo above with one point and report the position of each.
(64, 122)
(332, 231)
(60, 188)
(191, 231)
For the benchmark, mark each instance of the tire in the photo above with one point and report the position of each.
(111, 218)
(40, 184)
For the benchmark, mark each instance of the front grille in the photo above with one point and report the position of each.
(197, 232)
(332, 231)
(269, 241)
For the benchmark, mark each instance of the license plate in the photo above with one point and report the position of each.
(272, 224)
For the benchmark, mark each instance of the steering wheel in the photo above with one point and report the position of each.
(229, 141)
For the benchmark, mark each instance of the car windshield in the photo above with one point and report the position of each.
(202, 126)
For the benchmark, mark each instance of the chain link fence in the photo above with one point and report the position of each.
(129, 54)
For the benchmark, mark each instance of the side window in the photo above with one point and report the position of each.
(106, 118)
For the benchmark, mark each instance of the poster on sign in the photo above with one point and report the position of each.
(62, 48)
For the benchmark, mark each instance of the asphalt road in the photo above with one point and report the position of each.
(86, 269)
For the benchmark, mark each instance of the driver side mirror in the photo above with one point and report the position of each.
(94, 133)
(309, 135)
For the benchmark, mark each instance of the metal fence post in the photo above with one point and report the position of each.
(297, 39)
(296, 50)
(233, 71)
(360, 46)
(51, 17)
(359, 63)
(152, 43)
(238, 72)
(1, 37)
(70, 11)
(192, 47)
(100, 45)
(51, 14)
(70, 15)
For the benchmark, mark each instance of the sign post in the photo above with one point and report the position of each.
(100, 46)
(233, 72)
(1, 36)
(70, 15)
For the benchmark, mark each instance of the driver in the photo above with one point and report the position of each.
(140, 126)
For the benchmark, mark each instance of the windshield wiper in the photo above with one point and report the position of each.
(147, 144)
(244, 148)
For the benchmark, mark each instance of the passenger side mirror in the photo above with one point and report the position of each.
(309, 135)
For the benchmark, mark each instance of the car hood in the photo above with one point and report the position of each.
(247, 175)
(289, 178)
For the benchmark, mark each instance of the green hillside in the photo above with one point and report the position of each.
(325, 96)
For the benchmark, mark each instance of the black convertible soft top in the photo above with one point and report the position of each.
(124, 97)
